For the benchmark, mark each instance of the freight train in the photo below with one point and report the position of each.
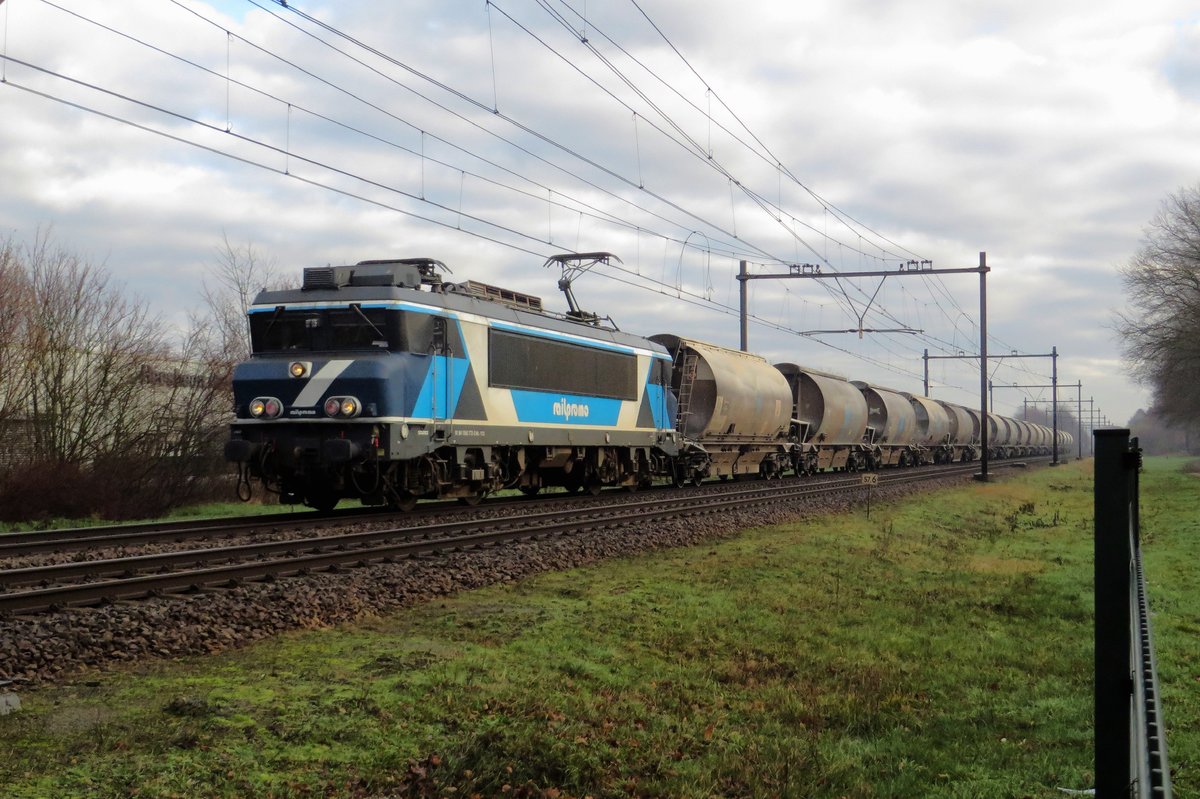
(383, 382)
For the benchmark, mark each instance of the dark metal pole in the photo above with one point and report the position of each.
(983, 359)
(745, 300)
(991, 397)
(1054, 389)
(1113, 653)
(926, 359)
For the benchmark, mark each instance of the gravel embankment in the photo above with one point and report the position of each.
(35, 651)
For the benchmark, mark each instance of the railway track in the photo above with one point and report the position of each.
(25, 544)
(41, 589)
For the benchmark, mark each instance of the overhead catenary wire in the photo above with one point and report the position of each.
(521, 126)
(554, 193)
(591, 211)
(777, 214)
(766, 154)
(679, 293)
(377, 52)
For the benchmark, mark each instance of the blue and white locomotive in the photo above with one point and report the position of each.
(383, 382)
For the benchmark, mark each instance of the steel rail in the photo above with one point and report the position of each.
(379, 545)
(65, 539)
(21, 544)
(10, 578)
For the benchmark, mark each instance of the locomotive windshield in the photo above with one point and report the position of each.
(340, 329)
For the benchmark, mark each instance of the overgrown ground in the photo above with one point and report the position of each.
(941, 648)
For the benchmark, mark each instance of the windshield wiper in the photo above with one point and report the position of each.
(358, 310)
(274, 316)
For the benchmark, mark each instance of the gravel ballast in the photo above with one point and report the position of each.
(48, 649)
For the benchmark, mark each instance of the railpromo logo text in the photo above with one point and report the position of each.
(567, 409)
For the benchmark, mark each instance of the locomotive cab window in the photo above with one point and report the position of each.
(349, 328)
(539, 364)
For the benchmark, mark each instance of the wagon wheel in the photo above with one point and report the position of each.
(404, 501)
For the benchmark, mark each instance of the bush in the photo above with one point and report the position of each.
(115, 489)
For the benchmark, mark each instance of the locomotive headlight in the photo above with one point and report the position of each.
(265, 408)
(299, 368)
(332, 406)
(350, 406)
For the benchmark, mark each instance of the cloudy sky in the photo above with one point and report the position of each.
(683, 137)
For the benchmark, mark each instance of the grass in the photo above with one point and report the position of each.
(941, 648)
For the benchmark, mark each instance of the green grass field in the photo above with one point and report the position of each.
(941, 648)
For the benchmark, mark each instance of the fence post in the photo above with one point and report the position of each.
(1113, 588)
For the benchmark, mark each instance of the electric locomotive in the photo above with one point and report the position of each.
(383, 382)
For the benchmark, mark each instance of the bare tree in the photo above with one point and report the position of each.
(1161, 329)
(239, 274)
(114, 418)
(14, 366)
(1157, 438)
(86, 346)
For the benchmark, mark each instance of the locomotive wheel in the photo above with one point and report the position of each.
(697, 479)
(471, 500)
(529, 491)
(594, 488)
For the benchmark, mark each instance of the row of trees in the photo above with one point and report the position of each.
(1160, 331)
(104, 409)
